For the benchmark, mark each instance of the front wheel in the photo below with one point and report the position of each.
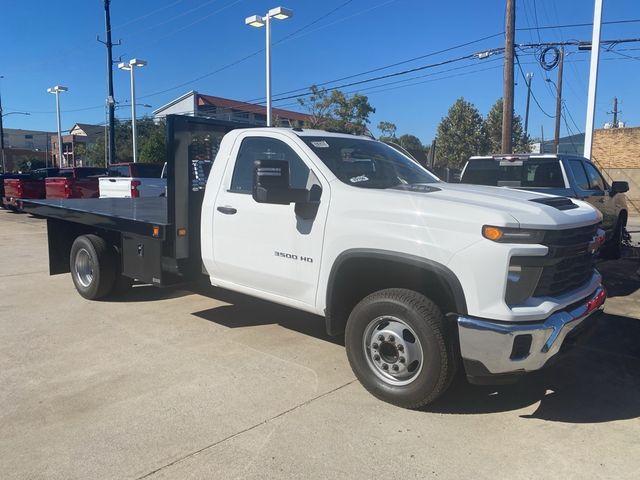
(398, 348)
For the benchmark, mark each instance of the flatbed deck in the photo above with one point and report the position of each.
(134, 215)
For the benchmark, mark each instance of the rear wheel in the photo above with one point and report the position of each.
(92, 265)
(397, 347)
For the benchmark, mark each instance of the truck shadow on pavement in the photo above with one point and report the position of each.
(621, 277)
(245, 311)
(142, 292)
(597, 381)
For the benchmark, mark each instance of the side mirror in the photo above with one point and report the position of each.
(271, 183)
(619, 187)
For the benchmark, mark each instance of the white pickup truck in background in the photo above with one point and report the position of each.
(133, 180)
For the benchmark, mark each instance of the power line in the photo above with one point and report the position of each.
(148, 14)
(533, 95)
(571, 116)
(248, 56)
(202, 18)
(374, 87)
(385, 67)
(360, 12)
(624, 55)
(390, 75)
(73, 110)
(575, 25)
(173, 18)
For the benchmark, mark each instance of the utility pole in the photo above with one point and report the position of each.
(556, 142)
(615, 113)
(110, 100)
(541, 138)
(509, 53)
(526, 112)
(593, 78)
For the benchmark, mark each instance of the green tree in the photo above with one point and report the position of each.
(151, 144)
(387, 131)
(460, 134)
(336, 111)
(153, 148)
(318, 104)
(410, 142)
(23, 164)
(492, 127)
(94, 155)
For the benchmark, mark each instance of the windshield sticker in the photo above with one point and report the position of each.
(320, 144)
(360, 178)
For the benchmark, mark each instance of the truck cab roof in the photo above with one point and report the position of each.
(300, 132)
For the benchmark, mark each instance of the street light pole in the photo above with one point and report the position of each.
(131, 66)
(267, 25)
(279, 13)
(57, 90)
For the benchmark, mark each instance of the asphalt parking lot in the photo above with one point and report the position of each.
(171, 384)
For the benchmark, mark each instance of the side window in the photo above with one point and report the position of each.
(579, 174)
(263, 148)
(595, 179)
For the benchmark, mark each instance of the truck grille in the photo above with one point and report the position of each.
(566, 275)
(570, 264)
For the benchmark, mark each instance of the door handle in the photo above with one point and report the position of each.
(227, 210)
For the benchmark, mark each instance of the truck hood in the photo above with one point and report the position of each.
(518, 204)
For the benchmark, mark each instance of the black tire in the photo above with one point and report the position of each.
(93, 266)
(427, 323)
(613, 248)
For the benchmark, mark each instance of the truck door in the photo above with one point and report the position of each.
(268, 247)
(599, 196)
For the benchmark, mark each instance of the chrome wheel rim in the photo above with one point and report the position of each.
(393, 350)
(84, 268)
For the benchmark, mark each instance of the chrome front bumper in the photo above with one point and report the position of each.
(508, 347)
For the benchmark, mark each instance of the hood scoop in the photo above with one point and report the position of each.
(559, 203)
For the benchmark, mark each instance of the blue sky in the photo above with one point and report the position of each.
(186, 41)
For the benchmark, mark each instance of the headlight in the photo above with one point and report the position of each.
(512, 235)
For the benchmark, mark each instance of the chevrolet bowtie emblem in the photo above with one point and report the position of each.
(596, 242)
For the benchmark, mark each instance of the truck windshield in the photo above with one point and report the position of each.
(367, 163)
(532, 173)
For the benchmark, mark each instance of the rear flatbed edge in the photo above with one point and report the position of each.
(141, 216)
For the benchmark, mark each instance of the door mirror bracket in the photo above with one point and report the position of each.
(271, 185)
